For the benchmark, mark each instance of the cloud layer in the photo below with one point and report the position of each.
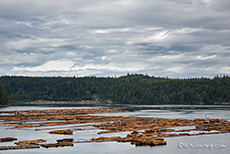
(180, 38)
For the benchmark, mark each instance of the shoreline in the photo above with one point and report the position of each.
(4, 106)
(124, 106)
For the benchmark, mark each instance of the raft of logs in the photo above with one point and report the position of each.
(160, 125)
(143, 131)
(60, 143)
(36, 144)
(134, 138)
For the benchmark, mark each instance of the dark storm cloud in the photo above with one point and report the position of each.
(181, 38)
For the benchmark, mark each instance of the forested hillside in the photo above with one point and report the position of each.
(134, 88)
(4, 99)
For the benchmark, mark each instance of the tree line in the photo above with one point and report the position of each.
(129, 89)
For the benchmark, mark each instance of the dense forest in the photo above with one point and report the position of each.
(129, 89)
(4, 99)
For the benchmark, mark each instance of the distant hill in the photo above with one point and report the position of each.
(129, 89)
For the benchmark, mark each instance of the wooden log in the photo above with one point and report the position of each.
(64, 131)
(65, 140)
(36, 142)
(7, 139)
(102, 139)
(19, 147)
(49, 145)
(149, 142)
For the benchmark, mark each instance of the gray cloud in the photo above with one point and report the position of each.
(181, 38)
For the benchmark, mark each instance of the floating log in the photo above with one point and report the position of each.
(57, 144)
(19, 147)
(184, 134)
(63, 131)
(148, 141)
(36, 142)
(65, 140)
(7, 139)
(101, 139)
(12, 123)
(25, 126)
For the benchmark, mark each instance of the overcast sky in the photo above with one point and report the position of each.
(174, 38)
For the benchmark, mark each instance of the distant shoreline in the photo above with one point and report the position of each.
(58, 102)
(44, 102)
(223, 106)
(5, 105)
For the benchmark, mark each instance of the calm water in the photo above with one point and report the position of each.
(211, 144)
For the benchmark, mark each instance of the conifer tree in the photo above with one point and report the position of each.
(4, 99)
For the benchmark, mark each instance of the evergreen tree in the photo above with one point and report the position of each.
(4, 99)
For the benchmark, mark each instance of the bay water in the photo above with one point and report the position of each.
(202, 144)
